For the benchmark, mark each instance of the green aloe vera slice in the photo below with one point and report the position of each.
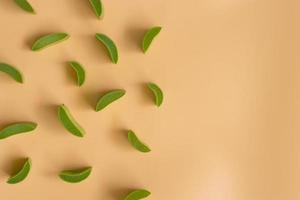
(17, 128)
(69, 122)
(49, 40)
(137, 194)
(149, 36)
(108, 98)
(136, 143)
(25, 5)
(79, 72)
(12, 72)
(157, 92)
(75, 176)
(97, 7)
(21, 174)
(110, 46)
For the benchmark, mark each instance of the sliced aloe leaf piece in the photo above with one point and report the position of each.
(69, 122)
(75, 176)
(25, 5)
(137, 143)
(17, 128)
(97, 7)
(137, 194)
(110, 46)
(149, 36)
(157, 92)
(77, 67)
(21, 174)
(108, 98)
(12, 72)
(49, 40)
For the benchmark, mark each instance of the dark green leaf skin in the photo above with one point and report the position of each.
(12, 72)
(110, 46)
(157, 92)
(49, 40)
(97, 7)
(136, 143)
(108, 98)
(75, 176)
(17, 128)
(21, 174)
(25, 5)
(149, 36)
(80, 72)
(69, 122)
(137, 194)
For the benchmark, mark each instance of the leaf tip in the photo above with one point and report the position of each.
(20, 81)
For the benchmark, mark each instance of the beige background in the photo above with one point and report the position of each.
(228, 129)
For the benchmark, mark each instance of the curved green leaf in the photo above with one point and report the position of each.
(79, 72)
(137, 194)
(149, 36)
(75, 176)
(25, 6)
(97, 7)
(11, 71)
(157, 92)
(136, 143)
(48, 40)
(110, 46)
(17, 128)
(108, 98)
(22, 173)
(69, 122)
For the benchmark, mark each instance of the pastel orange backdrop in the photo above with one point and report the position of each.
(228, 129)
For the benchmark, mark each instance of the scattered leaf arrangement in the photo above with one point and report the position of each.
(64, 114)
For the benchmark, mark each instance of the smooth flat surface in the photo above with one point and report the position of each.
(228, 129)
